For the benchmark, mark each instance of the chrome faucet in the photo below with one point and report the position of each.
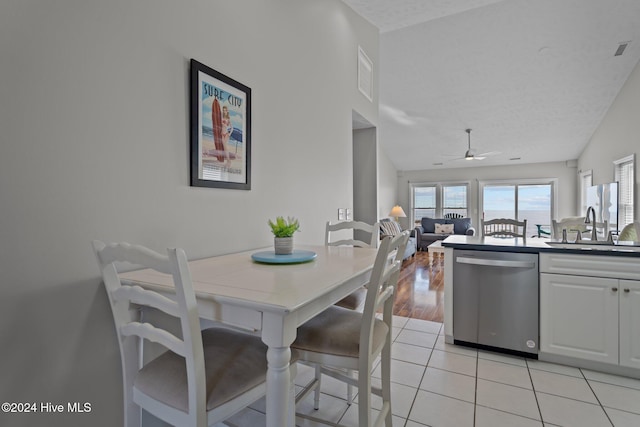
(592, 221)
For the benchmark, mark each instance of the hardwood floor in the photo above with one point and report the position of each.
(420, 293)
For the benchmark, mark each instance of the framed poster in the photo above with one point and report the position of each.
(220, 130)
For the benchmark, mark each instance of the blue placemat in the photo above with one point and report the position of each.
(298, 255)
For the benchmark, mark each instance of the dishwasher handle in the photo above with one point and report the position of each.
(495, 262)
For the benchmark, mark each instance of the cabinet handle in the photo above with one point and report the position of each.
(614, 289)
(626, 290)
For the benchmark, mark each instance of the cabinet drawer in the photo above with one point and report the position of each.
(616, 267)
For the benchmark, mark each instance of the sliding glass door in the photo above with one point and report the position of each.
(519, 200)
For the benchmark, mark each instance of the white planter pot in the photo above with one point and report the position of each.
(283, 245)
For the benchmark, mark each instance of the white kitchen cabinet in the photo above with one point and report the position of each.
(590, 308)
(579, 317)
(630, 323)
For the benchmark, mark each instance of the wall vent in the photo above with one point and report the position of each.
(621, 47)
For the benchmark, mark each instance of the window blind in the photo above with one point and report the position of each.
(624, 175)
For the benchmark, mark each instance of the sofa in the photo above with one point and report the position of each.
(386, 230)
(426, 232)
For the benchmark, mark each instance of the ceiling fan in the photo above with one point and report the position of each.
(471, 155)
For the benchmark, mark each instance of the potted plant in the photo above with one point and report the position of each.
(283, 234)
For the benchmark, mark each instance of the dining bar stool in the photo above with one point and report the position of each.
(630, 232)
(575, 224)
(204, 377)
(504, 227)
(339, 338)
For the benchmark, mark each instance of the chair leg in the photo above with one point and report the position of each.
(364, 400)
(386, 383)
(349, 388)
(292, 395)
(316, 395)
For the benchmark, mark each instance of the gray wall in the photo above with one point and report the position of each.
(387, 184)
(94, 145)
(365, 191)
(617, 136)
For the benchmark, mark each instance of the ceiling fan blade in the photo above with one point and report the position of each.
(488, 153)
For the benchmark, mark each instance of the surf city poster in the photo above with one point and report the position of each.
(220, 130)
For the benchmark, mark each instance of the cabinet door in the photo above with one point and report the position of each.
(630, 323)
(579, 317)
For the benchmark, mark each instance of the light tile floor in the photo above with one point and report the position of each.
(439, 385)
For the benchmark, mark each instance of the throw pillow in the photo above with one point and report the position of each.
(429, 224)
(390, 228)
(444, 228)
(460, 225)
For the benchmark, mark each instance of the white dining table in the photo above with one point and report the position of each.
(271, 300)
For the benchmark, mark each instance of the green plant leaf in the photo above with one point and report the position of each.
(282, 228)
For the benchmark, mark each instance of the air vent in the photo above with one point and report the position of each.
(621, 47)
(438, 164)
(515, 158)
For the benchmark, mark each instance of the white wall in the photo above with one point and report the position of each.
(567, 182)
(617, 136)
(94, 145)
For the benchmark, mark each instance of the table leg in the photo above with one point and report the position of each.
(278, 383)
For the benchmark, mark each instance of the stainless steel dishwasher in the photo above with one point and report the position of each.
(495, 300)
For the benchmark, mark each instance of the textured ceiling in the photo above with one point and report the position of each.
(533, 79)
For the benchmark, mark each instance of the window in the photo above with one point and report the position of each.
(434, 200)
(424, 202)
(625, 176)
(532, 200)
(454, 199)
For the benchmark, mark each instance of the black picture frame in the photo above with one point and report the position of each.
(220, 116)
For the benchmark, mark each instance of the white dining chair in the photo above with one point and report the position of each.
(347, 232)
(204, 377)
(339, 338)
(372, 231)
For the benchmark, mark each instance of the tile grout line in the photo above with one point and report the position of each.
(596, 396)
(475, 394)
(533, 387)
(406, 421)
